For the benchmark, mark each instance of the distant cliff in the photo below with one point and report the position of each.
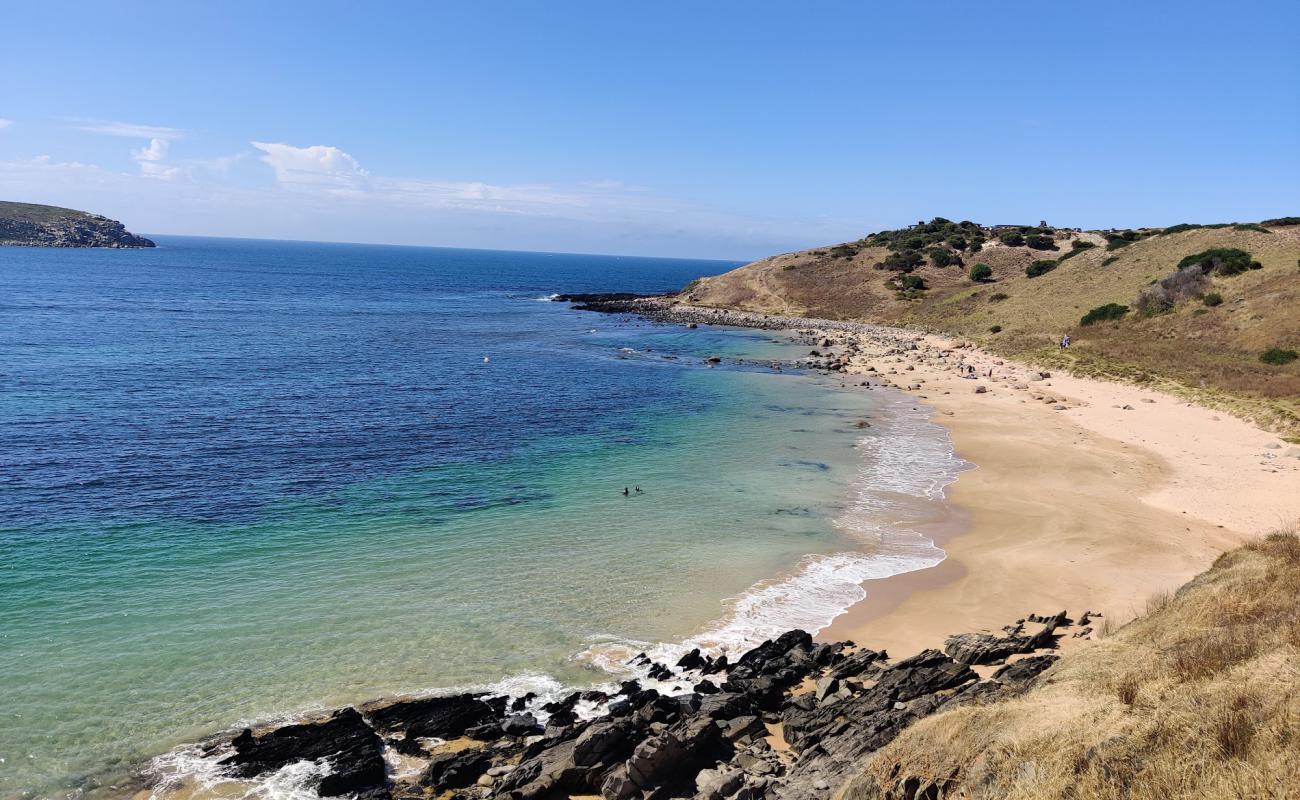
(30, 225)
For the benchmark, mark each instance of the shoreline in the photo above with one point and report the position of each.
(1086, 495)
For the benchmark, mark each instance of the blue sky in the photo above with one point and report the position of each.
(727, 130)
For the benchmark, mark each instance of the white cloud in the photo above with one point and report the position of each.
(151, 160)
(129, 130)
(5, 123)
(318, 166)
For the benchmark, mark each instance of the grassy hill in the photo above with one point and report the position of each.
(32, 225)
(1197, 698)
(1204, 339)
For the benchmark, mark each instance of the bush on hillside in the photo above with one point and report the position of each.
(908, 287)
(1076, 247)
(1040, 241)
(1102, 313)
(1277, 356)
(843, 251)
(902, 261)
(995, 329)
(1162, 296)
(1250, 226)
(981, 273)
(998, 297)
(1040, 267)
(1110, 260)
(1212, 299)
(1011, 238)
(942, 257)
(1221, 261)
(1278, 222)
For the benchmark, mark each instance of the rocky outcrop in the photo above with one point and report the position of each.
(836, 704)
(30, 225)
(352, 748)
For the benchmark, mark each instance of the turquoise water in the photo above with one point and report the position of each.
(244, 480)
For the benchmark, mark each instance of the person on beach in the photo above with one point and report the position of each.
(1065, 341)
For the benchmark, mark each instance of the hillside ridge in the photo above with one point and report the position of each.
(1203, 311)
(34, 225)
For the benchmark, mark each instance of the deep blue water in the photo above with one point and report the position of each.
(239, 479)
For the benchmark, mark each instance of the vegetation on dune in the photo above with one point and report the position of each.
(1102, 313)
(1197, 698)
(1076, 247)
(1040, 267)
(981, 273)
(1110, 260)
(1221, 261)
(1277, 356)
(1278, 222)
(997, 297)
(1212, 299)
(1165, 294)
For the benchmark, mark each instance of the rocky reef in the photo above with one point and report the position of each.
(791, 718)
(31, 225)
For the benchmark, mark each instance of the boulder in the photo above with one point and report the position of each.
(455, 770)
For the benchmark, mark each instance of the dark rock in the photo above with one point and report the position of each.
(692, 660)
(1025, 670)
(443, 717)
(455, 770)
(674, 757)
(521, 725)
(863, 661)
(354, 750)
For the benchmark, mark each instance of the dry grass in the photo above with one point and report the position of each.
(1212, 353)
(1198, 698)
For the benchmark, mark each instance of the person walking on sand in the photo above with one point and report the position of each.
(1065, 341)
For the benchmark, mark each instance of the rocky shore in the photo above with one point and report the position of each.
(30, 225)
(789, 719)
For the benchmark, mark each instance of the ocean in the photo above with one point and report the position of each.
(244, 480)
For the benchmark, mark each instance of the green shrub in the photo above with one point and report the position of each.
(1221, 260)
(912, 283)
(1109, 261)
(1011, 238)
(942, 257)
(995, 329)
(1040, 267)
(1039, 241)
(1185, 226)
(1212, 299)
(981, 273)
(1250, 226)
(903, 261)
(789, 267)
(998, 297)
(1277, 356)
(1117, 243)
(1102, 313)
(1076, 247)
(1278, 222)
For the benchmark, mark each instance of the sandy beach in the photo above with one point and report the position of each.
(1085, 495)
